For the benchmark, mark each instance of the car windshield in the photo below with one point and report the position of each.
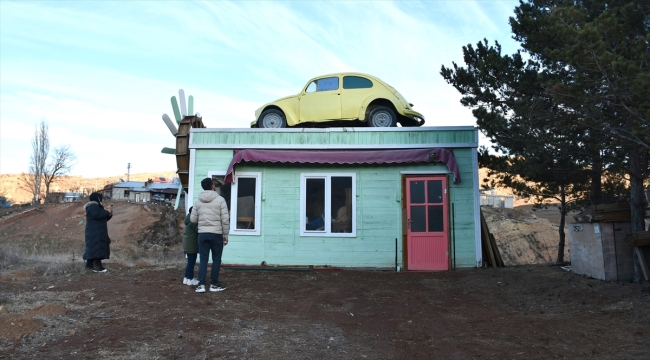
(326, 84)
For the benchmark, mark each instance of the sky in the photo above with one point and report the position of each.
(101, 73)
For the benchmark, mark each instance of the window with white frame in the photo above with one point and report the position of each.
(245, 204)
(328, 204)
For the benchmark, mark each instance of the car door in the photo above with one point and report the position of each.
(321, 100)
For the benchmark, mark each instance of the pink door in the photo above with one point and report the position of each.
(427, 223)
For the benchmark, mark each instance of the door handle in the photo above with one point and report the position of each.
(408, 223)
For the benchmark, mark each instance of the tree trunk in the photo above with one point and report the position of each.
(563, 211)
(638, 166)
(596, 181)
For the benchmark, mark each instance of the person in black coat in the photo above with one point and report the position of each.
(97, 240)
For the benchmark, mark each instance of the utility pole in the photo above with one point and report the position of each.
(128, 172)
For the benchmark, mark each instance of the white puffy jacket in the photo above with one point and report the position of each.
(211, 213)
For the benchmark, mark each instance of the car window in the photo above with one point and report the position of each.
(356, 82)
(311, 88)
(326, 84)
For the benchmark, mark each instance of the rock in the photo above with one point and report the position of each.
(3, 309)
(619, 307)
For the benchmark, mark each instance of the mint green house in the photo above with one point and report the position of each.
(402, 198)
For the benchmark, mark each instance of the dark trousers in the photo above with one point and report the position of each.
(189, 269)
(90, 262)
(209, 242)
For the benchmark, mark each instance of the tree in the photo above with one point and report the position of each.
(580, 98)
(58, 166)
(603, 45)
(543, 153)
(40, 148)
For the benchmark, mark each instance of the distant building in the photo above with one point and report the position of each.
(156, 190)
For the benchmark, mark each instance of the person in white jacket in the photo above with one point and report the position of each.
(211, 214)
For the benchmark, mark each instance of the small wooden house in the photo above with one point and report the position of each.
(404, 198)
(598, 250)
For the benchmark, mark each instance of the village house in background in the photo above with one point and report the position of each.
(64, 197)
(156, 190)
(489, 198)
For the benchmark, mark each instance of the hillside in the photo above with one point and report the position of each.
(11, 185)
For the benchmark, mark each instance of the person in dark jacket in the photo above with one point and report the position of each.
(97, 240)
(191, 249)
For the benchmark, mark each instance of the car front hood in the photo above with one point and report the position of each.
(280, 100)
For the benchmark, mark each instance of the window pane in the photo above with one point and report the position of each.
(418, 219)
(328, 84)
(434, 188)
(355, 82)
(436, 218)
(417, 192)
(245, 203)
(311, 88)
(341, 204)
(315, 205)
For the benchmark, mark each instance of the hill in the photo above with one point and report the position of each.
(11, 185)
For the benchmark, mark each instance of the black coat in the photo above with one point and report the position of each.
(97, 241)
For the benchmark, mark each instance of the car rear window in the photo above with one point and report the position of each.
(355, 82)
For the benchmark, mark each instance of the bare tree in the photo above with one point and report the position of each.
(40, 148)
(60, 165)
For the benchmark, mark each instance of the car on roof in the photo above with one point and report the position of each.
(336, 99)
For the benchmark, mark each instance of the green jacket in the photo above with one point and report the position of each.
(190, 237)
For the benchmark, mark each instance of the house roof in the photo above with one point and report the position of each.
(162, 186)
(129, 184)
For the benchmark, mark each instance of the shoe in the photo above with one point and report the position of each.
(200, 289)
(185, 280)
(97, 267)
(216, 288)
(193, 282)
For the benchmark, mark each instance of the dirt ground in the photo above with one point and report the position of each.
(146, 312)
(141, 309)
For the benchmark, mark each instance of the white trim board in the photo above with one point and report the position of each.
(328, 146)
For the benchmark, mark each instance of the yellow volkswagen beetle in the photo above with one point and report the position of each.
(335, 98)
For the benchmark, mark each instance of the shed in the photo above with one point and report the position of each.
(599, 250)
(404, 198)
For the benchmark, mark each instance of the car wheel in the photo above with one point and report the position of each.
(272, 118)
(381, 116)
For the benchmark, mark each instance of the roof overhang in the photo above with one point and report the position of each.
(393, 156)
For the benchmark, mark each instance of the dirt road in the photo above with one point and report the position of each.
(146, 312)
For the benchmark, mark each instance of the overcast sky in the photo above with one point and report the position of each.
(102, 73)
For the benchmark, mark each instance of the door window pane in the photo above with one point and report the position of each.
(418, 219)
(435, 219)
(417, 192)
(315, 205)
(434, 191)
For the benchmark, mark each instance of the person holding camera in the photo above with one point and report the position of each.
(97, 240)
(210, 212)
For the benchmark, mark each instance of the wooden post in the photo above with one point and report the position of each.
(642, 262)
